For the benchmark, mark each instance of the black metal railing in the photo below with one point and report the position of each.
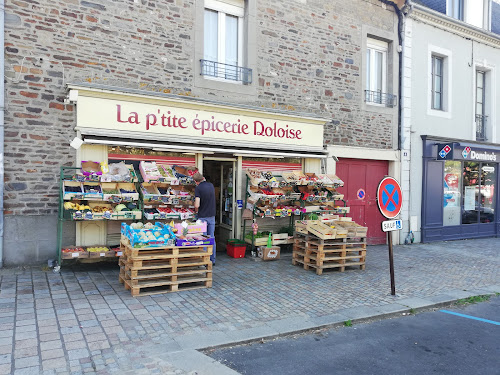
(378, 97)
(481, 127)
(226, 71)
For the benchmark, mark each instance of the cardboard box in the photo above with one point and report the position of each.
(269, 253)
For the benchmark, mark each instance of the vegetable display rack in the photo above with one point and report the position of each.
(158, 270)
(84, 198)
(301, 193)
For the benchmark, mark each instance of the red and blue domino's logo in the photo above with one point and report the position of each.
(466, 152)
(444, 151)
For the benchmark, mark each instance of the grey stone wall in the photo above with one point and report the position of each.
(306, 56)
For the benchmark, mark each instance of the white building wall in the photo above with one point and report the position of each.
(424, 36)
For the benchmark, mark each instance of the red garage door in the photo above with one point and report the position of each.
(361, 179)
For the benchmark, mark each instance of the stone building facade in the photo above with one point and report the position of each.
(306, 56)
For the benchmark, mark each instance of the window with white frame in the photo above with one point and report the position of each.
(481, 105)
(376, 73)
(437, 83)
(455, 9)
(223, 41)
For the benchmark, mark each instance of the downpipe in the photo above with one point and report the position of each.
(2, 123)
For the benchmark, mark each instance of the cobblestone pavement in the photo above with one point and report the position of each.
(82, 320)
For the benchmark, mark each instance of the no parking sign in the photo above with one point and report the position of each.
(390, 200)
(389, 197)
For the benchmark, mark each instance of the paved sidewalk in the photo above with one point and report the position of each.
(83, 320)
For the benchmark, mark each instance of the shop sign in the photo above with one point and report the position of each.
(392, 225)
(150, 116)
(470, 153)
(445, 151)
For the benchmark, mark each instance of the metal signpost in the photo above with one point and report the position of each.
(389, 200)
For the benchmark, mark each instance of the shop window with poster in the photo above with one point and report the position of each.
(478, 192)
(452, 192)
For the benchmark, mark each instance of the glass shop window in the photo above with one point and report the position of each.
(487, 190)
(478, 192)
(452, 196)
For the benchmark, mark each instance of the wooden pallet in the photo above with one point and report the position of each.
(156, 264)
(319, 269)
(134, 278)
(150, 287)
(156, 270)
(175, 252)
(318, 254)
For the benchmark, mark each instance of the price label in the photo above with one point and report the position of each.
(127, 199)
(185, 215)
(102, 254)
(163, 215)
(119, 253)
(174, 182)
(89, 216)
(165, 199)
(74, 255)
(175, 201)
(107, 215)
(78, 215)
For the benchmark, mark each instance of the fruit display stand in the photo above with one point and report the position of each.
(162, 269)
(84, 198)
(292, 194)
(333, 243)
(168, 191)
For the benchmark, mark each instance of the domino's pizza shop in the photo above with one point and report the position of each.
(459, 190)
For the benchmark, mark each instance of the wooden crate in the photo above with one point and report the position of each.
(257, 241)
(322, 231)
(353, 229)
(281, 239)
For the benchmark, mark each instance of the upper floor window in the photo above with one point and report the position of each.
(474, 12)
(456, 9)
(223, 41)
(437, 82)
(481, 117)
(376, 73)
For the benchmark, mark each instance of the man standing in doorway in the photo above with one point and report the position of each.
(204, 205)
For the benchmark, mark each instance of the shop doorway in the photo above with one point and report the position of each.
(220, 171)
(361, 179)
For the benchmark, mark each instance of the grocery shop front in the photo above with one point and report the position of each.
(221, 141)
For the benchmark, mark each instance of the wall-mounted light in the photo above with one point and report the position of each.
(72, 97)
(76, 143)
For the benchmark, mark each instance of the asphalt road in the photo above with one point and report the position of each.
(426, 343)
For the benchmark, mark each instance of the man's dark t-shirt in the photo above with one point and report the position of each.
(206, 192)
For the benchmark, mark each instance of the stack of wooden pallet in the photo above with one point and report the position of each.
(332, 245)
(156, 270)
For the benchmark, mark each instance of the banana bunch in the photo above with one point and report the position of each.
(75, 206)
(101, 209)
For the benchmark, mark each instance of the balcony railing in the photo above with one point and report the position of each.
(382, 98)
(226, 71)
(481, 127)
